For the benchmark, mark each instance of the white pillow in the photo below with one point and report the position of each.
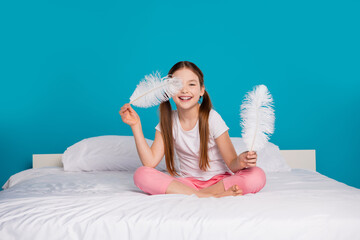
(269, 158)
(105, 153)
(117, 153)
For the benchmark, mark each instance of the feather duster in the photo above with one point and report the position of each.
(154, 90)
(258, 118)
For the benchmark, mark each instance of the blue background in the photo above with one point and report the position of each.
(66, 68)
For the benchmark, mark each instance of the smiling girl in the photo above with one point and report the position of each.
(208, 165)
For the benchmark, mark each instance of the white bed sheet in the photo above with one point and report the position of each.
(48, 203)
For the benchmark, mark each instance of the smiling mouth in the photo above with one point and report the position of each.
(184, 99)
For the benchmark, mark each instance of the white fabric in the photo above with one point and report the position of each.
(112, 152)
(48, 203)
(105, 153)
(187, 147)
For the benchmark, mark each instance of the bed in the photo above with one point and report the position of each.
(47, 202)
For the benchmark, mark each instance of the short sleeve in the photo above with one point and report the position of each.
(217, 125)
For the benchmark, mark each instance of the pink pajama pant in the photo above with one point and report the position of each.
(152, 181)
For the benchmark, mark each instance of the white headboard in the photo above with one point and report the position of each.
(305, 159)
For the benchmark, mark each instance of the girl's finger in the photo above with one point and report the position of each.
(127, 105)
(122, 111)
(252, 155)
(251, 161)
(131, 110)
(126, 114)
(251, 165)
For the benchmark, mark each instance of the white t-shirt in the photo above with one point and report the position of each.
(187, 148)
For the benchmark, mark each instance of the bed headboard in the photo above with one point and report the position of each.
(304, 159)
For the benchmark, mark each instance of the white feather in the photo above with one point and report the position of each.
(258, 118)
(154, 90)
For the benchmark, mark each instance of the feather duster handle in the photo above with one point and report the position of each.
(154, 90)
(258, 118)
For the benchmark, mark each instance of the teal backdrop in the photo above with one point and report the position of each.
(66, 68)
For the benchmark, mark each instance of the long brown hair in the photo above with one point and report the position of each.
(166, 122)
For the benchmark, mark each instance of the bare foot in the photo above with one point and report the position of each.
(232, 191)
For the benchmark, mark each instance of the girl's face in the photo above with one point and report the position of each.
(189, 96)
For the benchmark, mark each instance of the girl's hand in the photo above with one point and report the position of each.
(128, 115)
(247, 159)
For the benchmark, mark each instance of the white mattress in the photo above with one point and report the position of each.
(48, 203)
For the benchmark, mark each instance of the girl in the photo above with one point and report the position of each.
(208, 163)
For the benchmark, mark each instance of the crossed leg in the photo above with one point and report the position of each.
(152, 181)
(216, 190)
(249, 180)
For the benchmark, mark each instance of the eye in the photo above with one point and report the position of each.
(192, 84)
